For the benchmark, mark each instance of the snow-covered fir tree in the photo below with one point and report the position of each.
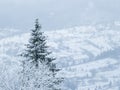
(39, 71)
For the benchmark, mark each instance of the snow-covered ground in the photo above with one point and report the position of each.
(89, 56)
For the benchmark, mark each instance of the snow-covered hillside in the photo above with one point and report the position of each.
(89, 56)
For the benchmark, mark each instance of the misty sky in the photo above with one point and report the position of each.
(56, 14)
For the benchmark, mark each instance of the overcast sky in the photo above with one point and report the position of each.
(55, 14)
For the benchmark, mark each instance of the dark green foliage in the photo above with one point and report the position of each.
(37, 54)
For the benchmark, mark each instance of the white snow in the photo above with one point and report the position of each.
(89, 58)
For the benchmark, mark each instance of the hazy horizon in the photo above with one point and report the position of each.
(54, 14)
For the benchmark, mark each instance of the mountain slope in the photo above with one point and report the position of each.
(89, 58)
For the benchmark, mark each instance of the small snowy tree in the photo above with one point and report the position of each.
(39, 71)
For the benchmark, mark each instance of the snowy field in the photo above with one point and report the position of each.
(89, 56)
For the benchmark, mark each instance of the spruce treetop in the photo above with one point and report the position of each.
(36, 50)
(39, 70)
